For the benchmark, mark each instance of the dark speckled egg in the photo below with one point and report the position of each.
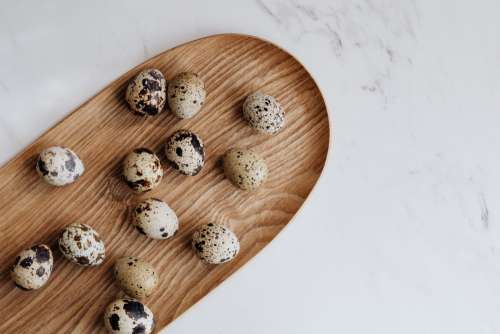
(59, 166)
(128, 316)
(154, 218)
(146, 93)
(142, 170)
(215, 243)
(185, 152)
(82, 245)
(33, 267)
(263, 113)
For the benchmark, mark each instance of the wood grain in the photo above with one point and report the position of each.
(102, 132)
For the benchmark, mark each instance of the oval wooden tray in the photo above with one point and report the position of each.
(102, 132)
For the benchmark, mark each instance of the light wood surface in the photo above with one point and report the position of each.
(102, 132)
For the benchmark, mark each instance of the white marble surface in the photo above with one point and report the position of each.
(402, 234)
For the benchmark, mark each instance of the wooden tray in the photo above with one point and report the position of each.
(102, 132)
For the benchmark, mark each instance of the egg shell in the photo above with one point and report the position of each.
(142, 170)
(245, 168)
(82, 245)
(185, 152)
(128, 316)
(155, 218)
(146, 93)
(186, 94)
(136, 277)
(59, 166)
(33, 267)
(263, 113)
(215, 244)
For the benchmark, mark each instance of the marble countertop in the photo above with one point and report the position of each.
(402, 234)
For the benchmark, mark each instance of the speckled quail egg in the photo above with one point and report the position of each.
(215, 243)
(263, 113)
(244, 168)
(59, 166)
(186, 94)
(142, 170)
(82, 245)
(155, 218)
(128, 316)
(184, 151)
(136, 277)
(33, 267)
(146, 93)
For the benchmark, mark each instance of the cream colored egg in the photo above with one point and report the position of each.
(245, 168)
(186, 94)
(136, 277)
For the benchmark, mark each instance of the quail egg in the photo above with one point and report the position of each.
(59, 166)
(155, 218)
(184, 151)
(33, 267)
(128, 316)
(136, 277)
(263, 113)
(146, 93)
(215, 243)
(82, 245)
(186, 94)
(142, 170)
(244, 168)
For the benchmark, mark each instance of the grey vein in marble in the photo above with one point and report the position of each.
(485, 212)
